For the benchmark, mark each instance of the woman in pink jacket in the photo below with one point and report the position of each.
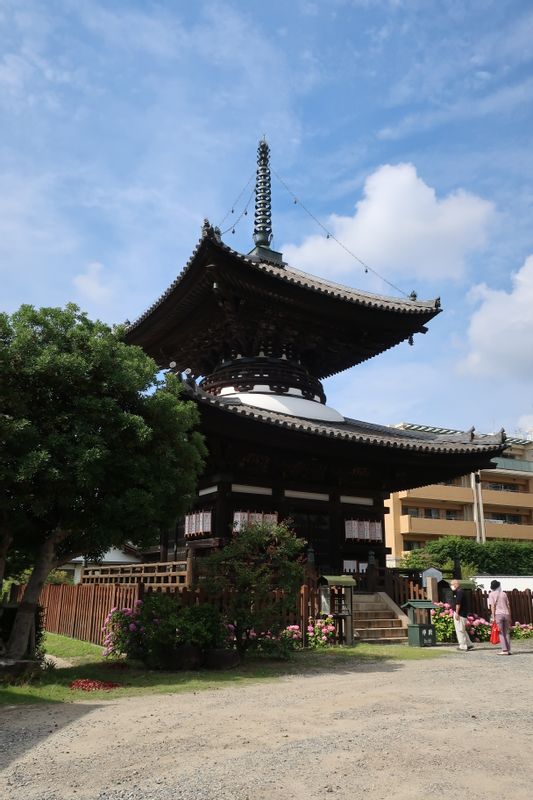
(501, 614)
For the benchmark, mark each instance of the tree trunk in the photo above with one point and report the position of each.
(17, 646)
(6, 538)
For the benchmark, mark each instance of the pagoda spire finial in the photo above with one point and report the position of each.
(263, 208)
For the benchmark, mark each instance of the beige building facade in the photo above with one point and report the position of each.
(488, 505)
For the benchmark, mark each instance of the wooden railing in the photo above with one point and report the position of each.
(156, 575)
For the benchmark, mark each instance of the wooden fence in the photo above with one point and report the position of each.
(521, 603)
(79, 611)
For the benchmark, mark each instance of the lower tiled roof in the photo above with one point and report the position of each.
(361, 432)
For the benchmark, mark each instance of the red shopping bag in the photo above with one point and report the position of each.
(494, 634)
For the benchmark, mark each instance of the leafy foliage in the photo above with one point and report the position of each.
(260, 572)
(152, 630)
(146, 632)
(201, 626)
(497, 557)
(96, 450)
(93, 443)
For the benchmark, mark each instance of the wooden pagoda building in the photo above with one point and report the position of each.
(254, 339)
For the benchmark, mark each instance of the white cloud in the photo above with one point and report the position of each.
(90, 285)
(525, 424)
(500, 333)
(400, 227)
(501, 101)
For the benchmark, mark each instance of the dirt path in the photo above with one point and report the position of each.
(460, 725)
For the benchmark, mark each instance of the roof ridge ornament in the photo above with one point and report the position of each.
(210, 232)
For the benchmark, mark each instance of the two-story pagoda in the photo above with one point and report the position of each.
(256, 338)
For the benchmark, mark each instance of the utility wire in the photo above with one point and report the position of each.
(330, 235)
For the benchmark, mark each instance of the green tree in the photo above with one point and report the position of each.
(496, 557)
(260, 572)
(96, 450)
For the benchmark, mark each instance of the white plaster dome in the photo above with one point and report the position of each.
(293, 404)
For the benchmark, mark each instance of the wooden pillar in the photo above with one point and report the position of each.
(336, 545)
(190, 569)
(432, 589)
(223, 511)
(163, 546)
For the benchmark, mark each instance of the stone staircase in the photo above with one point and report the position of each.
(376, 621)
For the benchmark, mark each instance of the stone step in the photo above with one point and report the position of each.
(379, 614)
(385, 640)
(390, 622)
(369, 634)
(366, 598)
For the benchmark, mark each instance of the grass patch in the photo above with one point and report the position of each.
(53, 685)
(65, 647)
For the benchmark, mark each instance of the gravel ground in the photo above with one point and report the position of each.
(458, 725)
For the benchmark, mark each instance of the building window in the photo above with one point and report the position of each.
(411, 511)
(432, 513)
(496, 486)
(412, 545)
(451, 514)
(509, 519)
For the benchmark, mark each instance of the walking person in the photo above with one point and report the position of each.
(501, 615)
(460, 613)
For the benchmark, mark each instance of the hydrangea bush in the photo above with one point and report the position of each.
(477, 627)
(145, 632)
(521, 631)
(152, 630)
(321, 632)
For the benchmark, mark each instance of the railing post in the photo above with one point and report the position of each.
(304, 612)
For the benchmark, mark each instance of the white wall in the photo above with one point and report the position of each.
(508, 582)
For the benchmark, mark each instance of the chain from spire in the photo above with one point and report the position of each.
(263, 207)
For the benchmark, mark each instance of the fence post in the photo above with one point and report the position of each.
(304, 611)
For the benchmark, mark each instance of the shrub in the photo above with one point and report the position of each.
(201, 626)
(153, 629)
(490, 558)
(521, 631)
(146, 632)
(260, 572)
(292, 637)
(442, 617)
(321, 632)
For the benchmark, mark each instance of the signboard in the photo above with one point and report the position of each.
(430, 573)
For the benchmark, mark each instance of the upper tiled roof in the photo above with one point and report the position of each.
(424, 308)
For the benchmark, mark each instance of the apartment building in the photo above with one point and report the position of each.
(487, 505)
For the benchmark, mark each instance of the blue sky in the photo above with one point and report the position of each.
(404, 125)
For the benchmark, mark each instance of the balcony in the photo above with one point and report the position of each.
(439, 527)
(518, 500)
(439, 493)
(503, 530)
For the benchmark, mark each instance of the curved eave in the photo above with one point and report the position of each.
(423, 310)
(389, 441)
